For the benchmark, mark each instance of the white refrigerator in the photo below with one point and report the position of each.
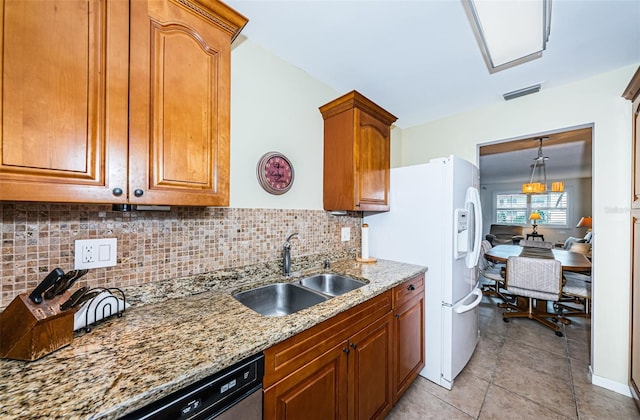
(435, 220)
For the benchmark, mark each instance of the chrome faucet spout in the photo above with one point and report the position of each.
(286, 261)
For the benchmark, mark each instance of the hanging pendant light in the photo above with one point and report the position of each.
(539, 163)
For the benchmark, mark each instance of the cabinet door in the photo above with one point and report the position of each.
(316, 391)
(372, 153)
(409, 345)
(636, 155)
(635, 307)
(64, 83)
(179, 105)
(369, 370)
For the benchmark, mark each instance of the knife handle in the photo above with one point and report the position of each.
(56, 289)
(52, 277)
(73, 300)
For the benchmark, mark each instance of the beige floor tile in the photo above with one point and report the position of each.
(542, 388)
(579, 350)
(482, 364)
(494, 326)
(580, 372)
(534, 334)
(467, 393)
(578, 331)
(537, 359)
(593, 404)
(418, 404)
(503, 404)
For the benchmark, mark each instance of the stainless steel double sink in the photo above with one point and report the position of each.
(281, 299)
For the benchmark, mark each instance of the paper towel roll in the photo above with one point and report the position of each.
(365, 241)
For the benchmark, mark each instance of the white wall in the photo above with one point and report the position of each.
(274, 107)
(596, 100)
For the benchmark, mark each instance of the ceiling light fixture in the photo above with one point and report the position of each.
(539, 162)
(509, 33)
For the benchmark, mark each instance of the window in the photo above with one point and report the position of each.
(515, 208)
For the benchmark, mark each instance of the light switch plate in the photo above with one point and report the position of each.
(345, 234)
(95, 253)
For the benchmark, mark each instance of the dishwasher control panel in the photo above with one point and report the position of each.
(209, 396)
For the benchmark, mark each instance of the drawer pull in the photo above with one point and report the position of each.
(411, 287)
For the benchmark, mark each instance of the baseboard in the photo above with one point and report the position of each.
(609, 384)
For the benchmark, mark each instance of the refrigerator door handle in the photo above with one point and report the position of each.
(466, 308)
(473, 199)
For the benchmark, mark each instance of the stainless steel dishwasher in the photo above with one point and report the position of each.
(233, 393)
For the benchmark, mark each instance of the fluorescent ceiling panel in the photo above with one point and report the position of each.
(509, 32)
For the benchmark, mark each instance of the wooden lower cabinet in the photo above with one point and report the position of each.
(409, 334)
(315, 391)
(370, 355)
(355, 365)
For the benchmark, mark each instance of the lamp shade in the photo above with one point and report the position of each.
(557, 186)
(533, 188)
(535, 216)
(584, 222)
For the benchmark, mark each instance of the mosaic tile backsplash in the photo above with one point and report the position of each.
(156, 246)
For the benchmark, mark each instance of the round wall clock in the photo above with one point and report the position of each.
(275, 173)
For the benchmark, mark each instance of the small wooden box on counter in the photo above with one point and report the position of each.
(29, 331)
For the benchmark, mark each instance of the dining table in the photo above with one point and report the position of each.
(571, 261)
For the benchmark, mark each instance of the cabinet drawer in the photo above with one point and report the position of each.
(293, 353)
(406, 291)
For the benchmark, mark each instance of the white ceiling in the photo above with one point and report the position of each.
(420, 61)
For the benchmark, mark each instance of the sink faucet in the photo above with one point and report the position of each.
(286, 263)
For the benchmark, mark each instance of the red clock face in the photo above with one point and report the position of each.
(275, 173)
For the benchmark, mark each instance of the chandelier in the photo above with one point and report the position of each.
(539, 164)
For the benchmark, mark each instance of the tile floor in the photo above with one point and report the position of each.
(520, 370)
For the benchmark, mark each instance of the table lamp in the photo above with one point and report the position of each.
(585, 222)
(535, 216)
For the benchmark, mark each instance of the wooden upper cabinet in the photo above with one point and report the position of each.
(632, 93)
(180, 102)
(64, 78)
(357, 143)
(116, 101)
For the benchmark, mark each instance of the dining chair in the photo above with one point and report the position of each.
(538, 279)
(576, 291)
(536, 244)
(492, 273)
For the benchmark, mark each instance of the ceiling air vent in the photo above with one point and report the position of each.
(521, 92)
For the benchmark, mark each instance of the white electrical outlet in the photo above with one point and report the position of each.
(96, 253)
(345, 234)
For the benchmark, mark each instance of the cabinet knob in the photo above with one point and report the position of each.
(397, 316)
(353, 345)
(117, 191)
(346, 350)
(411, 287)
(138, 192)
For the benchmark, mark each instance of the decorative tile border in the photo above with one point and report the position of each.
(156, 246)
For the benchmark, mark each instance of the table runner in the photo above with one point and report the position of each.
(534, 252)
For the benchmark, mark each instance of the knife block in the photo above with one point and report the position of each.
(29, 331)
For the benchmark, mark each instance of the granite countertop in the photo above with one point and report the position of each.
(157, 348)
